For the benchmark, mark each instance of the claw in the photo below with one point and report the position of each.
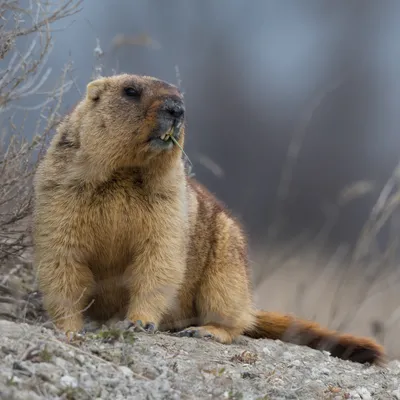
(148, 328)
(72, 336)
(138, 326)
(197, 333)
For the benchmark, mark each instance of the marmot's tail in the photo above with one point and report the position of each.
(271, 325)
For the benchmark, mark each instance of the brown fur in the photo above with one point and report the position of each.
(118, 222)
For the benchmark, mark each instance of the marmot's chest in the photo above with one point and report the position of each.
(120, 223)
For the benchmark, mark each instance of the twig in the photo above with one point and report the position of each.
(30, 350)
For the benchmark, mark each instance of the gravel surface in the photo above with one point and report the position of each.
(112, 363)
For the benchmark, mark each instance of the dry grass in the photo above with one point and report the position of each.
(331, 293)
(352, 290)
(23, 75)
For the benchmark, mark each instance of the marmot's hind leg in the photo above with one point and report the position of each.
(224, 302)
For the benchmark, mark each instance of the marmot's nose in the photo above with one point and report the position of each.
(173, 108)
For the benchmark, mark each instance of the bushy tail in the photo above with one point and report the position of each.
(271, 325)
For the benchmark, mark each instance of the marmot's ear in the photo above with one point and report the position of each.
(94, 89)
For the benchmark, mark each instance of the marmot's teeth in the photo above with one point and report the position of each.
(162, 137)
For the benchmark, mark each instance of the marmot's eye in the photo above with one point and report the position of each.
(132, 92)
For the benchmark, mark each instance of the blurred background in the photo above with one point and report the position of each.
(292, 121)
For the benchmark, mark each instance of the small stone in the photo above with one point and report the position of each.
(354, 395)
(51, 389)
(287, 356)
(126, 371)
(10, 329)
(68, 381)
(28, 396)
(394, 364)
(296, 363)
(60, 362)
(266, 351)
(85, 377)
(364, 393)
(325, 371)
(396, 394)
(9, 308)
(15, 379)
(80, 358)
(9, 358)
(111, 382)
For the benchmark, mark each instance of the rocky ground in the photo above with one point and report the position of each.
(37, 362)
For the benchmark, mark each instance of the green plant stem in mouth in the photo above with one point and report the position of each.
(177, 143)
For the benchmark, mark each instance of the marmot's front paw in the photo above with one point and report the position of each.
(71, 326)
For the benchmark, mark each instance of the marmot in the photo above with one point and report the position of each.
(120, 229)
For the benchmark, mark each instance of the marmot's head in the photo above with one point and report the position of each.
(128, 120)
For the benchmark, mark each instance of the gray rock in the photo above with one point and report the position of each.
(168, 367)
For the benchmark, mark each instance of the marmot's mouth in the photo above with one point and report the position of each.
(167, 136)
(167, 139)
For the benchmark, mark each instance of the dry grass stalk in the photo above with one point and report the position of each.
(23, 76)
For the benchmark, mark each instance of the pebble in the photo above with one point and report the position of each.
(80, 358)
(396, 394)
(71, 353)
(394, 364)
(296, 363)
(364, 393)
(51, 389)
(266, 351)
(60, 362)
(68, 381)
(354, 395)
(126, 371)
(325, 371)
(287, 356)
(10, 329)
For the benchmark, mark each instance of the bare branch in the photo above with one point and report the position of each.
(23, 77)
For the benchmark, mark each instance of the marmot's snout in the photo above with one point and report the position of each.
(173, 109)
(171, 115)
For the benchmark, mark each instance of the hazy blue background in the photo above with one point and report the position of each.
(250, 70)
